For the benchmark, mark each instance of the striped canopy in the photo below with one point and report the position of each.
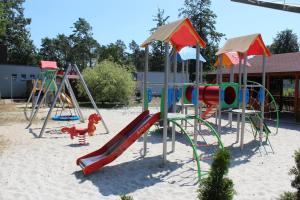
(229, 60)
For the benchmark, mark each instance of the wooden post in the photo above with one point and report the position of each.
(165, 115)
(268, 77)
(174, 96)
(145, 93)
(197, 80)
(296, 108)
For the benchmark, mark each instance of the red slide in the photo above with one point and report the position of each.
(118, 144)
(210, 111)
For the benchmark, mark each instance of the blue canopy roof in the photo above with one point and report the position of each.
(188, 53)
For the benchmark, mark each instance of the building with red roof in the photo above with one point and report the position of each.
(282, 78)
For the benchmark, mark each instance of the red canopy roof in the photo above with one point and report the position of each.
(249, 44)
(48, 65)
(180, 34)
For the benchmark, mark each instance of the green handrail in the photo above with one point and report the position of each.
(193, 147)
(213, 130)
(273, 102)
(215, 133)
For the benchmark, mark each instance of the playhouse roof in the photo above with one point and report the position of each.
(180, 34)
(250, 44)
(48, 65)
(229, 59)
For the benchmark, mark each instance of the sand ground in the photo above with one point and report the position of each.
(44, 168)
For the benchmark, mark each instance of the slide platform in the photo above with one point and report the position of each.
(118, 144)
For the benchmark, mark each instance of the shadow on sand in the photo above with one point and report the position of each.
(129, 176)
(51, 133)
(78, 145)
(238, 156)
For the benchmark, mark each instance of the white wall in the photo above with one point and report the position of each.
(19, 85)
(158, 77)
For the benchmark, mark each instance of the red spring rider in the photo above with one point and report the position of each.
(80, 132)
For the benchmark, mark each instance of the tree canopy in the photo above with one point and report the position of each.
(285, 42)
(15, 34)
(115, 52)
(158, 50)
(80, 47)
(3, 19)
(84, 45)
(204, 21)
(137, 56)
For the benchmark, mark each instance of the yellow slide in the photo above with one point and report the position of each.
(65, 98)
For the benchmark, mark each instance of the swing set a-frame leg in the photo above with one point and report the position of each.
(74, 100)
(31, 99)
(90, 97)
(55, 100)
(39, 105)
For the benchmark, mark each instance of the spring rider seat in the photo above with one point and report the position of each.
(81, 132)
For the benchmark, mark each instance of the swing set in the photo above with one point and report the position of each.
(71, 72)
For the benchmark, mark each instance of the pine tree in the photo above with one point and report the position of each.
(115, 52)
(15, 35)
(137, 56)
(124, 197)
(296, 172)
(85, 47)
(216, 186)
(204, 21)
(3, 19)
(285, 42)
(158, 50)
(296, 182)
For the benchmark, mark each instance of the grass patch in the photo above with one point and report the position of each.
(8, 108)
(11, 113)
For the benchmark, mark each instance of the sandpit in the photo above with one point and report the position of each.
(44, 168)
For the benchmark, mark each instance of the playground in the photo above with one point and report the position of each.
(46, 167)
(158, 150)
(197, 128)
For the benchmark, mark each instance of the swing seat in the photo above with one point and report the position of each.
(65, 117)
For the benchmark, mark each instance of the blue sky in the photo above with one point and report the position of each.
(132, 19)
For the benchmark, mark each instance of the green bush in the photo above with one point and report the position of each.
(288, 196)
(109, 82)
(124, 197)
(296, 182)
(296, 172)
(216, 186)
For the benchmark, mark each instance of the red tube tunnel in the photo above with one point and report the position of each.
(210, 94)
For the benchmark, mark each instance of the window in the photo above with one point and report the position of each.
(23, 77)
(14, 77)
(288, 89)
(32, 76)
